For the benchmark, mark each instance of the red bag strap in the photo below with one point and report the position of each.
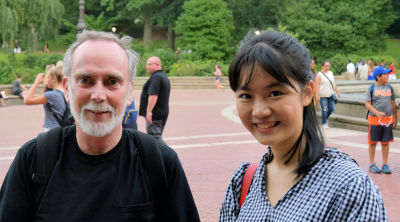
(247, 179)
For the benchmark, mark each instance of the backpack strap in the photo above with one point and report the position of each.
(247, 180)
(47, 153)
(153, 164)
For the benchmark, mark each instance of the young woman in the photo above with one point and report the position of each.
(53, 101)
(47, 88)
(312, 73)
(325, 88)
(298, 179)
(218, 75)
(371, 67)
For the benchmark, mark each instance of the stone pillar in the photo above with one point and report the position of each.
(81, 24)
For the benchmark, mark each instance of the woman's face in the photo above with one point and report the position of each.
(45, 82)
(312, 64)
(326, 67)
(50, 80)
(270, 110)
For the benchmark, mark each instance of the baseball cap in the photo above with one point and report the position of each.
(380, 70)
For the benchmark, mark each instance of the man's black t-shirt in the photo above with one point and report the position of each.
(108, 187)
(157, 84)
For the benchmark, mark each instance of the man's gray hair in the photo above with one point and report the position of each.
(125, 43)
(362, 62)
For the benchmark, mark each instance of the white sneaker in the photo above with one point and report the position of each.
(325, 126)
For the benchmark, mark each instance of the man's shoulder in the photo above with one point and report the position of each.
(169, 155)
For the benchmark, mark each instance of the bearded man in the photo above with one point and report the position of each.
(98, 175)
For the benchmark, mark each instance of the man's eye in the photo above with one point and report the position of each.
(245, 96)
(113, 82)
(275, 93)
(84, 80)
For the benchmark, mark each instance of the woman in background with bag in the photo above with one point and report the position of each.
(325, 88)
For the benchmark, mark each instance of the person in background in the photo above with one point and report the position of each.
(371, 67)
(154, 100)
(325, 88)
(362, 71)
(53, 101)
(392, 74)
(130, 117)
(351, 68)
(46, 47)
(375, 64)
(382, 117)
(383, 63)
(312, 74)
(48, 67)
(2, 98)
(60, 64)
(18, 88)
(218, 75)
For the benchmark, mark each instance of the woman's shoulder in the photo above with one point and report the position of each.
(339, 166)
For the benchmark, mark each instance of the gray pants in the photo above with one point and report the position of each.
(156, 129)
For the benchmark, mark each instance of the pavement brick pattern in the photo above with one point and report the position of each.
(209, 146)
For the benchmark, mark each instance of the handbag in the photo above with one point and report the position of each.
(333, 94)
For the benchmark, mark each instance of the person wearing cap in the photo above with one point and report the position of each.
(382, 117)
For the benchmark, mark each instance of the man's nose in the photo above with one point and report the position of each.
(261, 109)
(98, 93)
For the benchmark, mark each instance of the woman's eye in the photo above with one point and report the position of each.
(245, 96)
(275, 93)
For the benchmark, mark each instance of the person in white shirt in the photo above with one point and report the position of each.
(351, 68)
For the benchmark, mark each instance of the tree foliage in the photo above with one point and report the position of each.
(205, 27)
(251, 14)
(333, 27)
(25, 16)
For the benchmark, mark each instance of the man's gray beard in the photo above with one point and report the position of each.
(93, 128)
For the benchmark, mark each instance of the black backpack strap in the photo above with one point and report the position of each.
(47, 153)
(153, 164)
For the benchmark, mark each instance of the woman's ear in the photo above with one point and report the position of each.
(308, 94)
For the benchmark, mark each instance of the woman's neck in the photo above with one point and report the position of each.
(57, 86)
(280, 156)
(326, 72)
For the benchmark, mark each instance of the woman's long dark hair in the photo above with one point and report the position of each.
(288, 61)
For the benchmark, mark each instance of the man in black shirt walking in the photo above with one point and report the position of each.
(100, 172)
(154, 101)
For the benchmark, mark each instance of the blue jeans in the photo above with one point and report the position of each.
(328, 107)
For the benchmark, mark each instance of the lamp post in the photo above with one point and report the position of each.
(257, 32)
(114, 29)
(81, 24)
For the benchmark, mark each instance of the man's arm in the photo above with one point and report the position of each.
(180, 205)
(150, 106)
(23, 87)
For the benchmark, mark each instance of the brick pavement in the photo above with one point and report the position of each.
(208, 169)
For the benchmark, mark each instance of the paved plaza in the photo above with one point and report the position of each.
(204, 130)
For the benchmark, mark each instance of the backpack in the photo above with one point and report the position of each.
(67, 119)
(48, 151)
(371, 91)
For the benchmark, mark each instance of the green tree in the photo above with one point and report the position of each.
(332, 27)
(251, 14)
(30, 19)
(205, 27)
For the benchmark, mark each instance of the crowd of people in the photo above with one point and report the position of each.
(364, 70)
(104, 172)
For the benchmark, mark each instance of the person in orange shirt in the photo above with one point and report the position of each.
(382, 117)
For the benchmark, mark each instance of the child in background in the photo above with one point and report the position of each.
(382, 117)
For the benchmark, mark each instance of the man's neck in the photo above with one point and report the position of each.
(98, 145)
(380, 83)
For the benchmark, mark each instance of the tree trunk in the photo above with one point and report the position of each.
(148, 30)
(36, 47)
(383, 31)
(171, 38)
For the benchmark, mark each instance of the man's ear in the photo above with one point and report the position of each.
(308, 94)
(65, 86)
